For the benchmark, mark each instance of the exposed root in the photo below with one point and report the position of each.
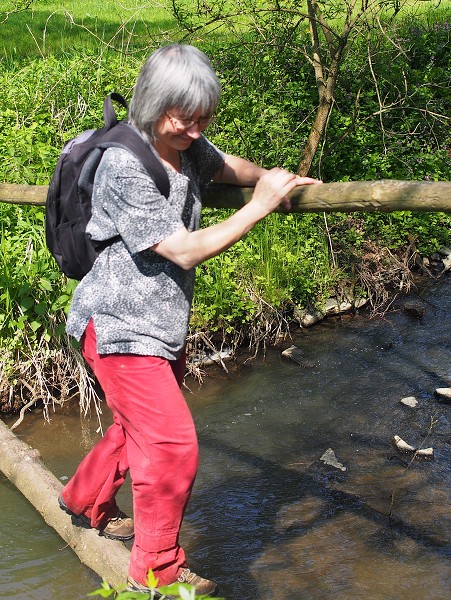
(269, 326)
(383, 275)
(201, 348)
(48, 377)
(24, 408)
(88, 396)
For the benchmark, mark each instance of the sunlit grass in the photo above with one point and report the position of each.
(62, 27)
(52, 27)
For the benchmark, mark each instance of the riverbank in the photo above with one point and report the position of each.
(238, 347)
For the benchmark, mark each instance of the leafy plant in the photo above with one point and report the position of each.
(176, 591)
(33, 301)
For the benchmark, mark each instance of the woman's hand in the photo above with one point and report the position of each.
(273, 187)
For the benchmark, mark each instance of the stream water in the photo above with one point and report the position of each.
(268, 519)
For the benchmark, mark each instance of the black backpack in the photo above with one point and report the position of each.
(68, 203)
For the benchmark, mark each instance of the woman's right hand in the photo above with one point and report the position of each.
(273, 187)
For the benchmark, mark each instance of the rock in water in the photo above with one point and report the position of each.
(409, 401)
(293, 353)
(414, 308)
(329, 458)
(443, 395)
(402, 446)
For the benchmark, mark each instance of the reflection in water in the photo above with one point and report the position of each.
(35, 563)
(268, 519)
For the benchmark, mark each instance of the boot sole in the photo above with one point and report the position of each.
(83, 522)
(111, 536)
(77, 520)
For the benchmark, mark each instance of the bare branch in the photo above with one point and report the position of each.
(17, 6)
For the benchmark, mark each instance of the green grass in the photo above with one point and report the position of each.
(51, 27)
(57, 28)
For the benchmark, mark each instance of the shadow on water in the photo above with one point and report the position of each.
(274, 521)
(285, 534)
(268, 518)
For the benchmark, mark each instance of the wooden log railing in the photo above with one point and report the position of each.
(385, 195)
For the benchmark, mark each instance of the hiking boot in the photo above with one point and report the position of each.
(119, 527)
(78, 520)
(134, 586)
(204, 587)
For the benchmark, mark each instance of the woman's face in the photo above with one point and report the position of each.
(176, 131)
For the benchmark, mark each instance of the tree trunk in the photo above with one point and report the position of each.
(316, 133)
(367, 196)
(23, 467)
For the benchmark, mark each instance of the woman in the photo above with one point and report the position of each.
(131, 311)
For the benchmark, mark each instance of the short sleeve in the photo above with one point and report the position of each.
(126, 200)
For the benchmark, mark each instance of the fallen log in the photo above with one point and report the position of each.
(22, 465)
(385, 196)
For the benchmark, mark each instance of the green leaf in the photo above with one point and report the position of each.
(35, 325)
(46, 284)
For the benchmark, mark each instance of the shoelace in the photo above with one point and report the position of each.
(186, 576)
(120, 517)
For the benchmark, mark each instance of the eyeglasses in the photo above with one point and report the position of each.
(185, 124)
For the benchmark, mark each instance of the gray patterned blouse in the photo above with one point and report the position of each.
(139, 301)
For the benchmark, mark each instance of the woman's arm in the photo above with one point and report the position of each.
(188, 249)
(239, 171)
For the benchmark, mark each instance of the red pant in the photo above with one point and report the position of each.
(153, 435)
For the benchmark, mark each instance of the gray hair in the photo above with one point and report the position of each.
(175, 76)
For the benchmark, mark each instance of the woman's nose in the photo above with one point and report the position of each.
(194, 131)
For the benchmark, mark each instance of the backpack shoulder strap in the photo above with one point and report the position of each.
(109, 114)
(124, 136)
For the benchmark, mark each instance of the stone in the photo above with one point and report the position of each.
(409, 401)
(205, 359)
(294, 353)
(329, 458)
(443, 395)
(414, 308)
(426, 453)
(332, 306)
(307, 318)
(402, 445)
(447, 263)
(405, 448)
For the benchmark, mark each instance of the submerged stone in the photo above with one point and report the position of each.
(329, 458)
(414, 308)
